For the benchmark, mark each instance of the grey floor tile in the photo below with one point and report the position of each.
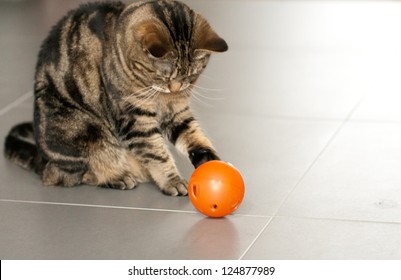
(314, 239)
(16, 79)
(271, 154)
(356, 178)
(37, 231)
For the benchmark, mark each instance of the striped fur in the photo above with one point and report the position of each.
(112, 83)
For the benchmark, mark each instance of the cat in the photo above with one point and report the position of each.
(112, 83)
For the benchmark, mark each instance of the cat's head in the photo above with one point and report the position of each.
(165, 45)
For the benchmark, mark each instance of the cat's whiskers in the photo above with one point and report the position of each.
(160, 89)
(142, 90)
(202, 75)
(146, 97)
(136, 93)
(207, 89)
(205, 93)
(143, 94)
(197, 97)
(198, 91)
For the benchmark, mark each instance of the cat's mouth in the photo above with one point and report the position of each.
(173, 87)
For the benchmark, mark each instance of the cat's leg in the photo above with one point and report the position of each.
(64, 175)
(104, 164)
(81, 150)
(186, 134)
(147, 145)
(165, 174)
(114, 167)
(57, 134)
(156, 158)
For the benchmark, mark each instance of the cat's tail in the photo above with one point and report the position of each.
(21, 149)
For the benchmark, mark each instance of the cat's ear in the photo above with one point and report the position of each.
(154, 39)
(206, 39)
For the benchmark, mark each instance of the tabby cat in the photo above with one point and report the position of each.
(112, 82)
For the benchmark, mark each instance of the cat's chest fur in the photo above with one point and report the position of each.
(157, 113)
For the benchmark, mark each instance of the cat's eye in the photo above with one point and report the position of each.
(157, 51)
(155, 46)
(161, 54)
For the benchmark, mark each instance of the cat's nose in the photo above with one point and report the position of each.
(174, 86)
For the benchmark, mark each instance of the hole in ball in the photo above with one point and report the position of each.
(195, 190)
(214, 207)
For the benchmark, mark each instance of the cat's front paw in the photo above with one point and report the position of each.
(201, 155)
(176, 187)
(126, 182)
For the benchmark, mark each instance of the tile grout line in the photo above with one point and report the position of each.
(292, 189)
(363, 121)
(15, 103)
(312, 218)
(118, 207)
(95, 206)
(336, 132)
(342, 220)
(255, 239)
(329, 142)
(278, 117)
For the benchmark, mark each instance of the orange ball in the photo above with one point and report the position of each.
(216, 188)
